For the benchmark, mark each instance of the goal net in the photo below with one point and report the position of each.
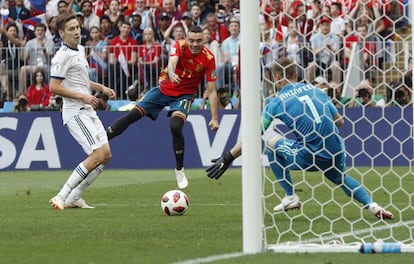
(378, 136)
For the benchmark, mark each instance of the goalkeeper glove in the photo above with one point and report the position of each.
(220, 165)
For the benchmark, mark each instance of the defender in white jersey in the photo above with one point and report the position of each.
(69, 78)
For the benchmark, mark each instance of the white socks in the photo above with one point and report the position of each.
(78, 175)
(80, 189)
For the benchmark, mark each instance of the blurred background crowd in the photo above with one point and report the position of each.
(359, 52)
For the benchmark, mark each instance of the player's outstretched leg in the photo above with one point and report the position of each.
(291, 201)
(119, 126)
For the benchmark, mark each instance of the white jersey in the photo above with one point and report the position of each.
(70, 65)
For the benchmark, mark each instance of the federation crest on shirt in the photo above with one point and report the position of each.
(199, 68)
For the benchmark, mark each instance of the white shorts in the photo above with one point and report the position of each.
(87, 129)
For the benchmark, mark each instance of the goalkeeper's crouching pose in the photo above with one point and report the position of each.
(311, 115)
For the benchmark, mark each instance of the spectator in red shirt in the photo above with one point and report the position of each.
(218, 30)
(123, 53)
(359, 37)
(149, 59)
(38, 92)
(190, 61)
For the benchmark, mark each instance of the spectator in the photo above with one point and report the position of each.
(402, 95)
(186, 20)
(205, 8)
(360, 38)
(107, 28)
(146, 15)
(91, 19)
(325, 47)
(173, 33)
(103, 104)
(295, 49)
(37, 53)
(136, 30)
(173, 13)
(163, 25)
(122, 60)
(11, 53)
(62, 7)
(20, 103)
(212, 45)
(53, 34)
(98, 56)
(195, 11)
(218, 30)
(149, 59)
(298, 14)
(230, 57)
(269, 52)
(114, 11)
(405, 84)
(17, 13)
(361, 15)
(338, 23)
(132, 94)
(364, 95)
(337, 98)
(99, 7)
(224, 100)
(85, 35)
(38, 93)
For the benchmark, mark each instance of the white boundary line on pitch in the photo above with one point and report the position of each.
(240, 254)
(213, 258)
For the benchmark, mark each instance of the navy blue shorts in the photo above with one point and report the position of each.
(154, 101)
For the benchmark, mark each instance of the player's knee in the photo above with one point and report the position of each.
(176, 125)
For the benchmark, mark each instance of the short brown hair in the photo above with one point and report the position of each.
(62, 19)
(285, 67)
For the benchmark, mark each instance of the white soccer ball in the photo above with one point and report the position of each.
(174, 202)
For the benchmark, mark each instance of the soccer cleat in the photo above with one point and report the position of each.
(380, 212)
(290, 202)
(57, 202)
(80, 203)
(182, 181)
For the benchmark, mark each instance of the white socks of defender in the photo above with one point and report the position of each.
(80, 189)
(78, 175)
(78, 181)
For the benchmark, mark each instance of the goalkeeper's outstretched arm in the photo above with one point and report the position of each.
(220, 165)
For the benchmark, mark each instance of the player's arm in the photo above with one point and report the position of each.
(102, 88)
(57, 88)
(338, 119)
(172, 65)
(220, 165)
(213, 99)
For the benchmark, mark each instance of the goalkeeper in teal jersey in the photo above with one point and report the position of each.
(311, 115)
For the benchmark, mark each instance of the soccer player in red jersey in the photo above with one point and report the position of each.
(188, 63)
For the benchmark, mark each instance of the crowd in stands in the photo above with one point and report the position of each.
(128, 42)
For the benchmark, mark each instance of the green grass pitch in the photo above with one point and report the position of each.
(128, 225)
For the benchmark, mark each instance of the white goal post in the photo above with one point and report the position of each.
(295, 232)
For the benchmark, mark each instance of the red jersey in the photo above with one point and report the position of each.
(191, 69)
(149, 53)
(127, 47)
(38, 97)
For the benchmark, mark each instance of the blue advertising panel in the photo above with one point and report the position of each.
(39, 141)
